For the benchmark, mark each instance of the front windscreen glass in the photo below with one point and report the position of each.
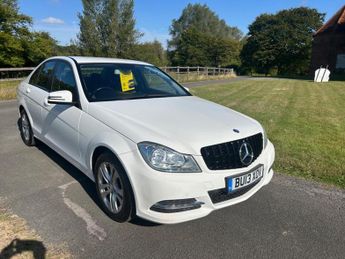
(106, 82)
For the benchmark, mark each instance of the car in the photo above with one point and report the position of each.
(152, 148)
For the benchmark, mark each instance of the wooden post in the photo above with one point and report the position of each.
(178, 74)
(187, 73)
(206, 72)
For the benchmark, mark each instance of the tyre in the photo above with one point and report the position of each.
(25, 129)
(113, 188)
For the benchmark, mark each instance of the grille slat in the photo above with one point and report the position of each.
(226, 155)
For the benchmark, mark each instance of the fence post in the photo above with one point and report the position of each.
(206, 72)
(178, 74)
(187, 73)
(198, 71)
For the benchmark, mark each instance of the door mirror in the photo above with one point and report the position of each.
(60, 97)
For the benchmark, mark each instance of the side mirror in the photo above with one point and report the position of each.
(60, 97)
(186, 88)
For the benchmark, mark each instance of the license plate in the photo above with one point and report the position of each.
(238, 182)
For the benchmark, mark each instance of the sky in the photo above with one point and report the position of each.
(153, 17)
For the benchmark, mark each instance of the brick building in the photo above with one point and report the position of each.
(329, 44)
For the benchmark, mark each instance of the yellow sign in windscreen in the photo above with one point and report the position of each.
(127, 81)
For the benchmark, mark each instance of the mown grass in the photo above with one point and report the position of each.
(304, 120)
(8, 89)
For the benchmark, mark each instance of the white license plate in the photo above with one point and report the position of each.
(238, 182)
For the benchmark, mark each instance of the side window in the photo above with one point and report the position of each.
(44, 78)
(34, 77)
(63, 78)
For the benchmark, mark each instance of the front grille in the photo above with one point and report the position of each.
(220, 195)
(226, 155)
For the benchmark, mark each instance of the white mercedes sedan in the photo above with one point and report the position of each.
(152, 148)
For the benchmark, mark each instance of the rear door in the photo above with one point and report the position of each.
(36, 93)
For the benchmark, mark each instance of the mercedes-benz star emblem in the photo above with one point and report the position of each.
(246, 153)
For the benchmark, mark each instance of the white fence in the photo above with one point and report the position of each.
(179, 73)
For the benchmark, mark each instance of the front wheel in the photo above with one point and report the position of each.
(113, 188)
(25, 129)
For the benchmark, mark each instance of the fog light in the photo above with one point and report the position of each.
(169, 206)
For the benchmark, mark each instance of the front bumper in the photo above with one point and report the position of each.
(150, 186)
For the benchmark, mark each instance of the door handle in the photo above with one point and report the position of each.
(28, 90)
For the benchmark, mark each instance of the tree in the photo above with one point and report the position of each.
(37, 47)
(197, 26)
(107, 28)
(281, 41)
(196, 48)
(151, 52)
(19, 46)
(13, 27)
(72, 49)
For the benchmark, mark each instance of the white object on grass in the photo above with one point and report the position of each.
(322, 75)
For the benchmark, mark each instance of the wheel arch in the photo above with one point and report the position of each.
(22, 107)
(103, 149)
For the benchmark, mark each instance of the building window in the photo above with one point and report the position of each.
(340, 61)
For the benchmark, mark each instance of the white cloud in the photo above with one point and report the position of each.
(52, 20)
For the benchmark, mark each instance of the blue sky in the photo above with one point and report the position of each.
(60, 17)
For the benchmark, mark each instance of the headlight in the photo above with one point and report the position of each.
(265, 138)
(164, 159)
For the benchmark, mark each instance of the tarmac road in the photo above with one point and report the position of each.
(289, 218)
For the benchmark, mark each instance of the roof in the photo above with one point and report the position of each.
(82, 60)
(338, 20)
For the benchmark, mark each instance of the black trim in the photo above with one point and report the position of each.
(185, 205)
(220, 195)
(80, 78)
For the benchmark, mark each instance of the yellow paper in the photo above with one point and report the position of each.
(127, 81)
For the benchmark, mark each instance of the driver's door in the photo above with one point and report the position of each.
(61, 121)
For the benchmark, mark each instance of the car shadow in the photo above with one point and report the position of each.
(86, 183)
(18, 246)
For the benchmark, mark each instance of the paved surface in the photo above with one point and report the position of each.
(290, 218)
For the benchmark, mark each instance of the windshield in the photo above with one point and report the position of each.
(107, 82)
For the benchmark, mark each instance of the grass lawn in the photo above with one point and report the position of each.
(8, 89)
(304, 120)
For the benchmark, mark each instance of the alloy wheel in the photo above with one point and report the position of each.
(110, 187)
